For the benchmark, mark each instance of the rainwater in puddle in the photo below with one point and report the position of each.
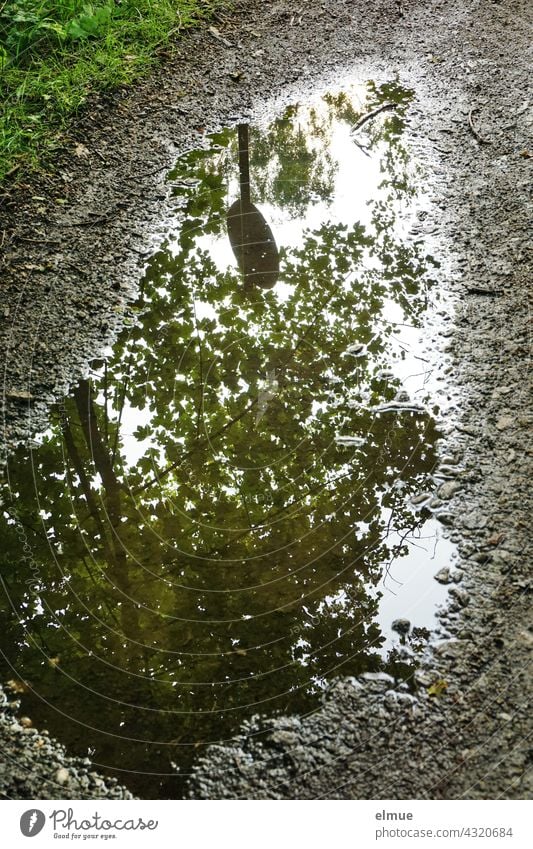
(218, 521)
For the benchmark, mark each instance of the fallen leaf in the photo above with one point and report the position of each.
(81, 151)
(496, 539)
(16, 686)
(438, 688)
(29, 266)
(216, 34)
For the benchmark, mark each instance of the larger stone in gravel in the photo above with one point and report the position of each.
(504, 422)
(377, 677)
(460, 595)
(450, 470)
(443, 575)
(445, 518)
(420, 498)
(62, 775)
(450, 648)
(474, 520)
(448, 489)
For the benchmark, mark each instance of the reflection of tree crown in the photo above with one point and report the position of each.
(218, 561)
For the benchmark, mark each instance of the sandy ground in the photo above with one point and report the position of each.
(70, 266)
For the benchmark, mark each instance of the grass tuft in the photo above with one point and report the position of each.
(55, 53)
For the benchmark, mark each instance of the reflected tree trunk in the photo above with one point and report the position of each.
(114, 547)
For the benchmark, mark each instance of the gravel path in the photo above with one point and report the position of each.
(32, 765)
(68, 262)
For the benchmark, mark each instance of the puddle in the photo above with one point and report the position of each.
(217, 522)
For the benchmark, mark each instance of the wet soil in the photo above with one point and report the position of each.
(73, 243)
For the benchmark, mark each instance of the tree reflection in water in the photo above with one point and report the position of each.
(193, 512)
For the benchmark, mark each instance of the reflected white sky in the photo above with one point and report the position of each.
(408, 586)
(356, 185)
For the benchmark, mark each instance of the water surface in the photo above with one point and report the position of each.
(218, 521)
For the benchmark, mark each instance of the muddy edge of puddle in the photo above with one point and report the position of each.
(70, 256)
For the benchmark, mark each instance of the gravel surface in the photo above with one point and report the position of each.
(71, 262)
(33, 765)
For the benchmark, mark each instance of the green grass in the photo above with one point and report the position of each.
(55, 53)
